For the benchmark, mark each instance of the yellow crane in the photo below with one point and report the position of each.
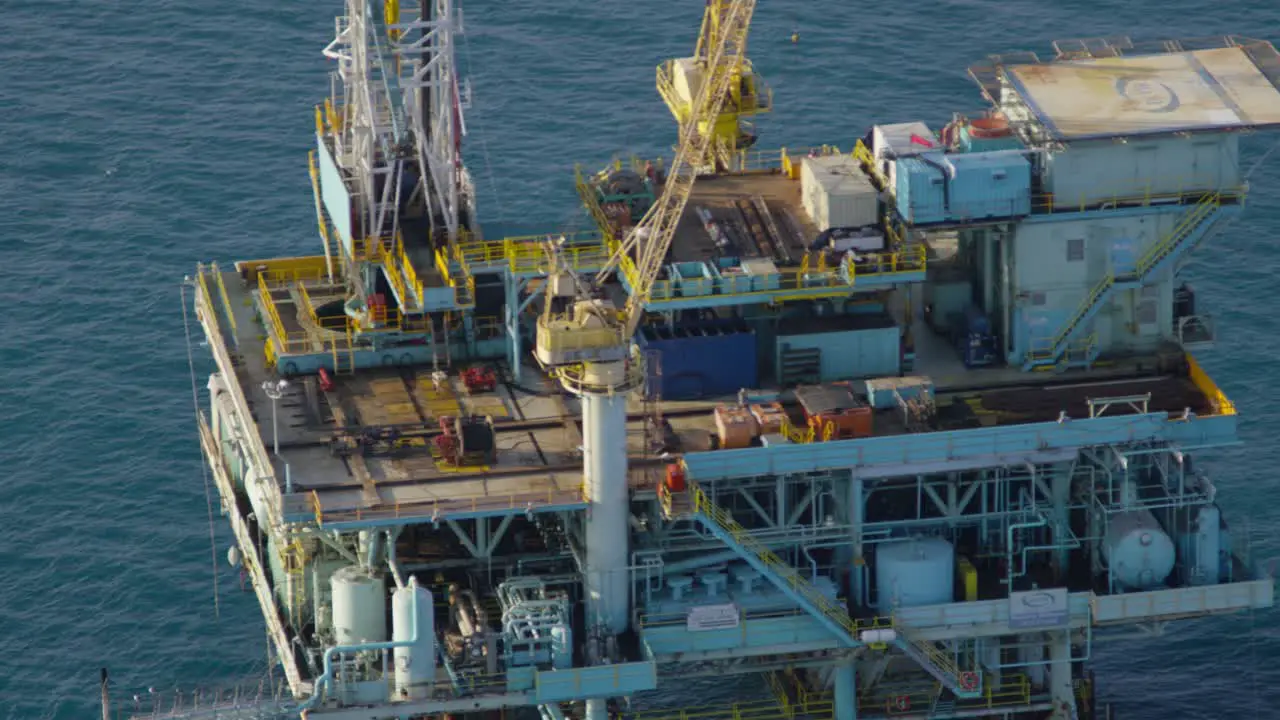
(594, 331)
(679, 82)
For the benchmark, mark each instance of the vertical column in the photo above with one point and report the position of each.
(469, 333)
(604, 421)
(1006, 282)
(597, 709)
(857, 579)
(511, 321)
(1060, 689)
(1060, 487)
(846, 698)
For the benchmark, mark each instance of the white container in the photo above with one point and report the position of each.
(416, 663)
(893, 140)
(864, 240)
(837, 193)
(359, 607)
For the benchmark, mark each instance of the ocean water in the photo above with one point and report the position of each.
(140, 137)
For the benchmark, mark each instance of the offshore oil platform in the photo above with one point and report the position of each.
(899, 427)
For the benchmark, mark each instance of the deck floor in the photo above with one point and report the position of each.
(539, 435)
(718, 194)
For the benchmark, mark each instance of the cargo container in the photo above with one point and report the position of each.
(836, 192)
(769, 416)
(881, 391)
(835, 405)
(858, 345)
(735, 427)
(899, 140)
(692, 358)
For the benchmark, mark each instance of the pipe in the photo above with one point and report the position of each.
(699, 562)
(391, 561)
(946, 179)
(373, 542)
(326, 679)
(1038, 522)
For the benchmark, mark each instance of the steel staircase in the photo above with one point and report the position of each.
(939, 663)
(696, 504)
(1184, 236)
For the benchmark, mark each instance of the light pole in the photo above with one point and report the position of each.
(275, 391)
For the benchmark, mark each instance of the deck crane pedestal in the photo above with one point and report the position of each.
(590, 349)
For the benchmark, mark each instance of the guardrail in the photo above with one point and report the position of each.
(1131, 195)
(445, 507)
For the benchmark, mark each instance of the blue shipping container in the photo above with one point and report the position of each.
(704, 360)
(934, 188)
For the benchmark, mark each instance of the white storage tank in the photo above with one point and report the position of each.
(919, 571)
(416, 663)
(1138, 551)
(359, 606)
(837, 193)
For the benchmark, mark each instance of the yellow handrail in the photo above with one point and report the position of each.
(1185, 226)
(1130, 195)
(702, 504)
(226, 301)
(463, 503)
(394, 276)
(1043, 350)
(269, 305)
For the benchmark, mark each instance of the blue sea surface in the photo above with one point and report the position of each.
(140, 137)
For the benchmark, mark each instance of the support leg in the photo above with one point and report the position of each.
(597, 709)
(846, 698)
(1060, 689)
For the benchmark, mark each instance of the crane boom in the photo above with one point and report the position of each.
(656, 230)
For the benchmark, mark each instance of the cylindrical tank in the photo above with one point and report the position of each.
(919, 571)
(1138, 551)
(416, 663)
(359, 606)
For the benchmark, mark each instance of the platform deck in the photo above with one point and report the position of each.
(718, 195)
(538, 436)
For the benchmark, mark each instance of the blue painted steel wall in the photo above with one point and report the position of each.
(703, 360)
(337, 202)
(985, 185)
(846, 354)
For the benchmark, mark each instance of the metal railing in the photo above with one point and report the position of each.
(389, 258)
(1185, 227)
(1131, 195)
(445, 507)
(933, 657)
(1080, 350)
(703, 505)
(559, 333)
(749, 710)
(244, 702)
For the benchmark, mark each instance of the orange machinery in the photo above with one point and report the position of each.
(835, 403)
